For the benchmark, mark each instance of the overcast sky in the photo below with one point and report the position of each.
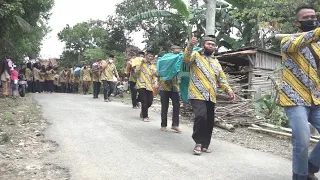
(72, 12)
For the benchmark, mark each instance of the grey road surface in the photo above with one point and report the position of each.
(108, 141)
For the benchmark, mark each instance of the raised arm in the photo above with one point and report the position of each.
(188, 56)
(292, 44)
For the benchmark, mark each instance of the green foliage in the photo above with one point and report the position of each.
(181, 7)
(267, 107)
(94, 54)
(23, 26)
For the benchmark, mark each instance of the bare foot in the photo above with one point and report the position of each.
(164, 129)
(176, 129)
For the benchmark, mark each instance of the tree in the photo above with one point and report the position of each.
(210, 17)
(23, 26)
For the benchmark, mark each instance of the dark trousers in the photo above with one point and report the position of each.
(134, 93)
(204, 121)
(42, 86)
(69, 87)
(75, 87)
(50, 86)
(63, 87)
(30, 86)
(107, 88)
(57, 88)
(96, 89)
(146, 98)
(165, 96)
(46, 86)
(36, 86)
(85, 86)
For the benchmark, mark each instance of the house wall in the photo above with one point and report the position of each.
(265, 65)
(265, 60)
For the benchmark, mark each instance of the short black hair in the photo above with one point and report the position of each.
(149, 52)
(111, 56)
(304, 6)
(141, 52)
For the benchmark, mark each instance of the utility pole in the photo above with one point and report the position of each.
(210, 17)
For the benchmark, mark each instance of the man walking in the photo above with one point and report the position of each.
(133, 81)
(170, 90)
(300, 91)
(107, 78)
(146, 82)
(96, 74)
(206, 75)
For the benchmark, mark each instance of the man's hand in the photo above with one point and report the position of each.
(232, 95)
(193, 41)
(156, 86)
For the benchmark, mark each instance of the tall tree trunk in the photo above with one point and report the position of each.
(210, 17)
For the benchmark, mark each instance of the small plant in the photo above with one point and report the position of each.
(9, 118)
(4, 138)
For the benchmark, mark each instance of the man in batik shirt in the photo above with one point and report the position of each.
(107, 78)
(206, 75)
(170, 90)
(146, 82)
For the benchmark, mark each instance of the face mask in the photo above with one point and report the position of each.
(308, 25)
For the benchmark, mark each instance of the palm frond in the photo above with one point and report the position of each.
(25, 26)
(152, 14)
(181, 7)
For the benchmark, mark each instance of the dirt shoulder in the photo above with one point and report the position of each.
(22, 142)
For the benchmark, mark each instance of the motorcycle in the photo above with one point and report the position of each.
(119, 89)
(22, 85)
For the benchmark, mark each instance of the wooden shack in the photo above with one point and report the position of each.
(257, 64)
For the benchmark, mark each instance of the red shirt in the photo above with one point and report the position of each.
(14, 75)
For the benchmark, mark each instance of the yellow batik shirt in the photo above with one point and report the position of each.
(206, 75)
(42, 76)
(300, 83)
(169, 85)
(86, 74)
(36, 74)
(28, 74)
(146, 75)
(96, 76)
(50, 75)
(63, 77)
(108, 72)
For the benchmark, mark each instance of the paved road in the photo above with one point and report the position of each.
(107, 141)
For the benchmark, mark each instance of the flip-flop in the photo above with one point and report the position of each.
(206, 150)
(195, 151)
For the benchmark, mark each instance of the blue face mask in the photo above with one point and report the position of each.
(308, 25)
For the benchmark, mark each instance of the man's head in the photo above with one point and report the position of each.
(209, 45)
(149, 56)
(141, 54)
(306, 18)
(175, 49)
(111, 58)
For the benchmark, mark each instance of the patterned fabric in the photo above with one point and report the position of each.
(56, 80)
(170, 85)
(96, 76)
(50, 75)
(206, 75)
(63, 77)
(86, 74)
(28, 74)
(36, 74)
(108, 72)
(146, 76)
(42, 76)
(300, 84)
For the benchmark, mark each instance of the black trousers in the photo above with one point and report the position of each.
(165, 96)
(108, 87)
(42, 86)
(30, 86)
(69, 87)
(146, 98)
(204, 121)
(134, 93)
(63, 87)
(36, 86)
(75, 87)
(50, 86)
(96, 89)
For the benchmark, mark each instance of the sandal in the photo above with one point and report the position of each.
(146, 120)
(206, 150)
(197, 149)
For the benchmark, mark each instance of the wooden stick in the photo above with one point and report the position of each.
(276, 127)
(279, 133)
